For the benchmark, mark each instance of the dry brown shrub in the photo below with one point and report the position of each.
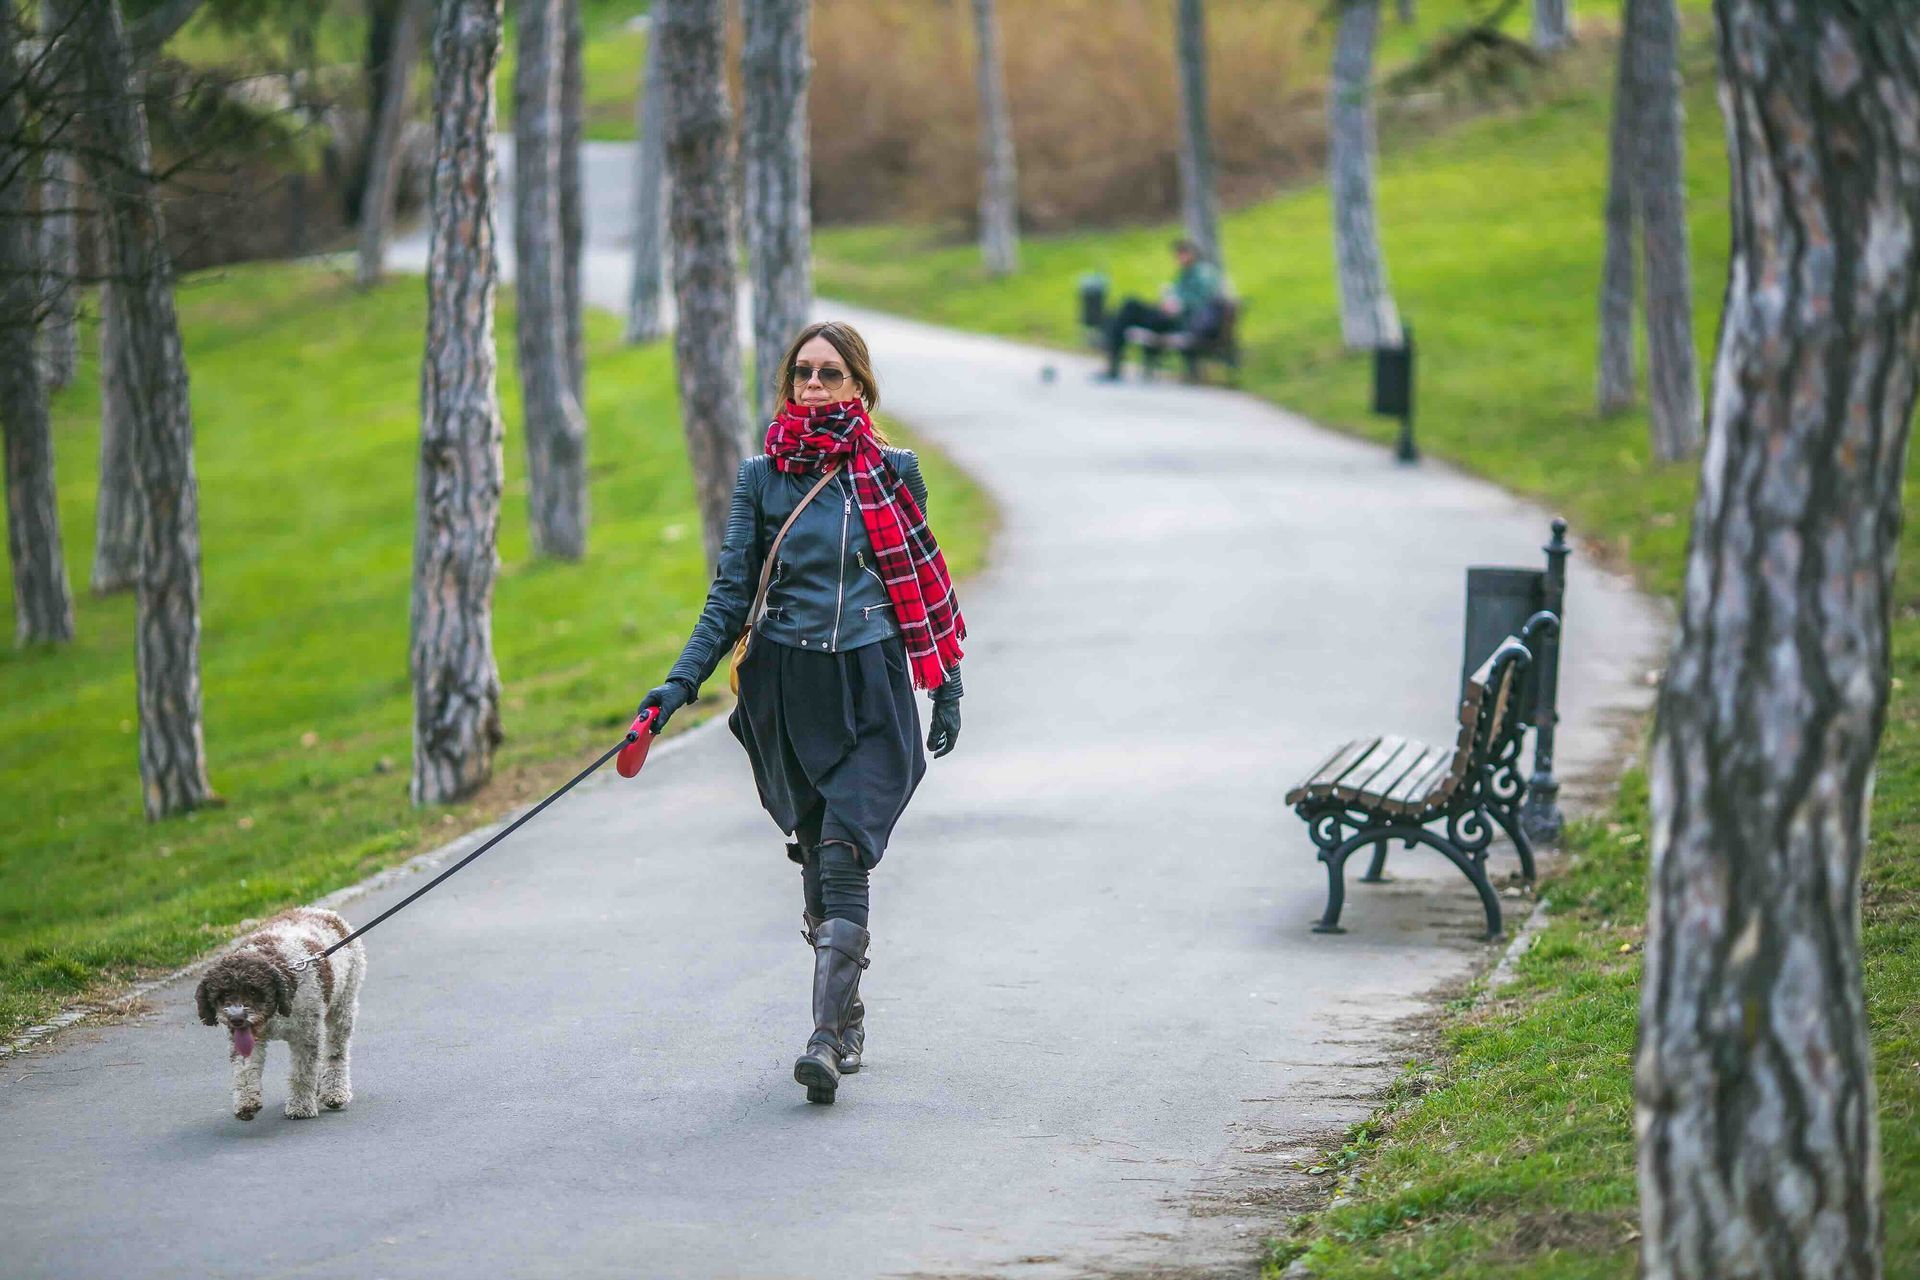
(1093, 89)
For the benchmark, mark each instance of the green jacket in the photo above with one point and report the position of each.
(1197, 286)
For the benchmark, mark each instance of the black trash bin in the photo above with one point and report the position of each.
(1393, 390)
(1093, 301)
(1499, 602)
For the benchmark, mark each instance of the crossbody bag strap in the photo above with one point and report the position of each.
(766, 569)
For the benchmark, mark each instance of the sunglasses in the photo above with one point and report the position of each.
(830, 377)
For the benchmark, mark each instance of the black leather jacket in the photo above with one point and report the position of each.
(825, 594)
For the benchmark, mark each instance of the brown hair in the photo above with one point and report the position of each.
(852, 348)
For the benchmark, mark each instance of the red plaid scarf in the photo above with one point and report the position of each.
(810, 438)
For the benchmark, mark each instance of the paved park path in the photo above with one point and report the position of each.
(1101, 1032)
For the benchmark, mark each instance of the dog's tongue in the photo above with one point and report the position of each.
(243, 1042)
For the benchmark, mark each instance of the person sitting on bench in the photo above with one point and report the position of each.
(1190, 304)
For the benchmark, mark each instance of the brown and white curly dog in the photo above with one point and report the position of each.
(255, 994)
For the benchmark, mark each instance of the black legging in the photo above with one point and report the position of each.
(1135, 314)
(835, 883)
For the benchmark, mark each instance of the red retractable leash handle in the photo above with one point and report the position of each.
(640, 736)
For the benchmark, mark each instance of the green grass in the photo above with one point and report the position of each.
(1500, 292)
(1510, 1154)
(305, 397)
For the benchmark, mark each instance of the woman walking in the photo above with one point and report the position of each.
(853, 610)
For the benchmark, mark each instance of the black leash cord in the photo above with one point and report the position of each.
(517, 823)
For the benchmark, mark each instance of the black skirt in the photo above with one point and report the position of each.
(834, 739)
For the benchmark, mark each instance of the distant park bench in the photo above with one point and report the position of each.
(1374, 790)
(1219, 342)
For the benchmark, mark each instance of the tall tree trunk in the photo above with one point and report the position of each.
(706, 344)
(572, 214)
(1368, 318)
(1755, 1107)
(385, 19)
(646, 304)
(59, 264)
(1673, 379)
(60, 190)
(1615, 381)
(999, 182)
(775, 67)
(116, 539)
(116, 529)
(1552, 25)
(456, 686)
(1198, 199)
(556, 432)
(42, 598)
(306, 106)
(383, 147)
(173, 758)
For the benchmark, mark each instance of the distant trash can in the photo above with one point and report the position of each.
(1499, 602)
(1393, 390)
(1093, 301)
(1393, 379)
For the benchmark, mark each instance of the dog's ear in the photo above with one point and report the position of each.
(203, 996)
(282, 991)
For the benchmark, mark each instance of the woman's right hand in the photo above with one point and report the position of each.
(669, 697)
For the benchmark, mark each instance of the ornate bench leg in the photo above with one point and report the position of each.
(1474, 867)
(1477, 872)
(1376, 870)
(1336, 860)
(1521, 845)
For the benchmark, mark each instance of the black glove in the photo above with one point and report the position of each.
(946, 726)
(669, 697)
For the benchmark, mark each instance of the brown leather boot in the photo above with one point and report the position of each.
(854, 1039)
(839, 954)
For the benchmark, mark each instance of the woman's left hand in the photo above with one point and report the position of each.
(946, 727)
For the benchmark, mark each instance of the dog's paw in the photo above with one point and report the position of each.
(246, 1111)
(299, 1109)
(336, 1099)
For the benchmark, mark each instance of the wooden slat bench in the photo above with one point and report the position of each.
(1222, 345)
(1373, 790)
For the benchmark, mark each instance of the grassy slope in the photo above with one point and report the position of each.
(1512, 1154)
(306, 415)
(1498, 346)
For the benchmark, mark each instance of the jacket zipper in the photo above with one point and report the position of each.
(860, 558)
(840, 599)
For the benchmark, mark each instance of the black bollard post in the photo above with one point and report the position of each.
(1404, 450)
(1540, 815)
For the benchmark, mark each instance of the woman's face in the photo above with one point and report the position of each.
(820, 375)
